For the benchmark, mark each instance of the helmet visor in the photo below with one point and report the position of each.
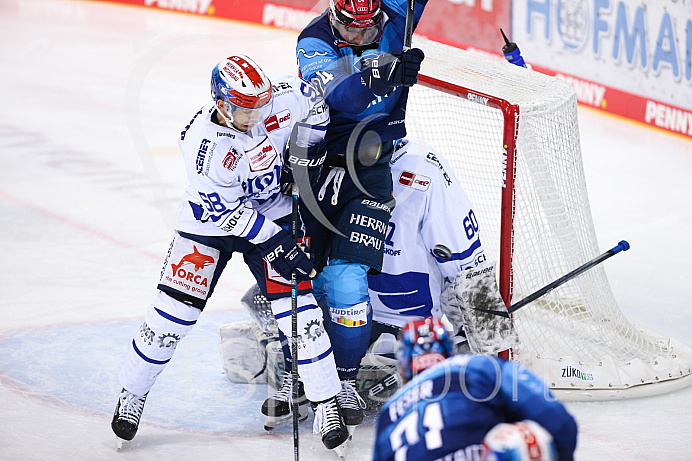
(244, 118)
(354, 32)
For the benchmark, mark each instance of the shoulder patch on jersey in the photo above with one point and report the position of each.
(262, 156)
(397, 155)
(276, 121)
(231, 159)
(432, 158)
(281, 87)
(416, 181)
(311, 55)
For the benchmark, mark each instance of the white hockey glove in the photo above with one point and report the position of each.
(467, 303)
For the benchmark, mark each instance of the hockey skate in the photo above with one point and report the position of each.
(352, 404)
(329, 423)
(277, 408)
(128, 411)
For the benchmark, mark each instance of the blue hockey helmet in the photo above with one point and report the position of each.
(244, 90)
(422, 343)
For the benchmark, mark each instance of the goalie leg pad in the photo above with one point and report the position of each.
(167, 322)
(243, 352)
(316, 365)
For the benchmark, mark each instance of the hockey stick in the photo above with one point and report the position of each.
(294, 326)
(408, 28)
(622, 246)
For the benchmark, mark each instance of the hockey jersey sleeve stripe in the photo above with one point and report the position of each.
(315, 359)
(256, 227)
(460, 256)
(217, 218)
(147, 359)
(175, 319)
(197, 210)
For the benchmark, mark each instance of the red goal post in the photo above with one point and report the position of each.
(512, 137)
(510, 113)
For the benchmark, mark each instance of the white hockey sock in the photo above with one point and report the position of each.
(166, 323)
(316, 365)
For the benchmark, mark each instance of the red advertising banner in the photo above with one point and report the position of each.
(467, 24)
(638, 108)
(455, 22)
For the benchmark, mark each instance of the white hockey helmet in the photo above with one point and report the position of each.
(522, 441)
(245, 91)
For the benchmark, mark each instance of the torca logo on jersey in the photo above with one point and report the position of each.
(183, 271)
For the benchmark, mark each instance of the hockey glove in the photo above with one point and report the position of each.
(285, 256)
(389, 70)
(302, 166)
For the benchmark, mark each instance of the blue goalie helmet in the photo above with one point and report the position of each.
(422, 344)
(244, 90)
(522, 441)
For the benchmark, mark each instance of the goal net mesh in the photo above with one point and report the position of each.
(512, 137)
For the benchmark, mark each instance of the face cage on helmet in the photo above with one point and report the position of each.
(348, 30)
(410, 348)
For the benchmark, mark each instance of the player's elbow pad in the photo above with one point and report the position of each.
(247, 223)
(237, 221)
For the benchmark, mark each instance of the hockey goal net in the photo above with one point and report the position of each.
(512, 137)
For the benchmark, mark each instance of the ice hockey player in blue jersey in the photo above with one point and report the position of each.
(354, 53)
(448, 405)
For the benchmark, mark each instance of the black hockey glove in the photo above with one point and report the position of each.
(389, 70)
(302, 165)
(285, 256)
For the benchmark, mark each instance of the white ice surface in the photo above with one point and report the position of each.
(93, 98)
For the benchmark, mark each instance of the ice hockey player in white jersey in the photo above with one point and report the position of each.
(433, 235)
(234, 150)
